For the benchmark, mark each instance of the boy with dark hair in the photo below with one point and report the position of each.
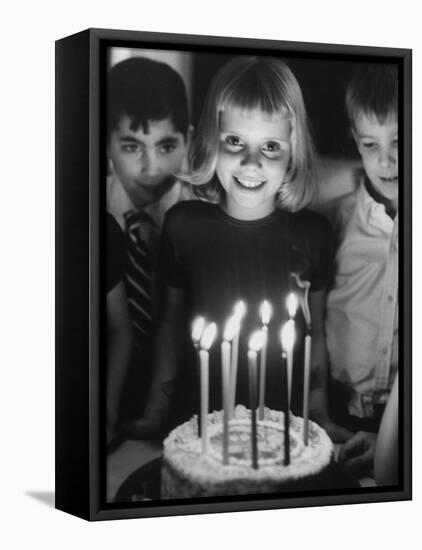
(362, 306)
(148, 135)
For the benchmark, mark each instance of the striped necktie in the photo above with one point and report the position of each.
(138, 276)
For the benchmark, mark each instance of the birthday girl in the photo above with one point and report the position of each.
(251, 164)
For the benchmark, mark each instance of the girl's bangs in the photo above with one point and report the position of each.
(252, 96)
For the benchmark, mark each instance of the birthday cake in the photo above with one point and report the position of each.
(188, 472)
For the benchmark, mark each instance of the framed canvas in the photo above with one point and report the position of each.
(233, 251)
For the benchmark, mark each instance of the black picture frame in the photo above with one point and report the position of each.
(80, 310)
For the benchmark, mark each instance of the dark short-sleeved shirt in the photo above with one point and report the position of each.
(217, 260)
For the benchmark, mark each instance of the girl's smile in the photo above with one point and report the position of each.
(253, 158)
(252, 184)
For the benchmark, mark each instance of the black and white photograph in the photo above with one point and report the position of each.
(253, 276)
(210, 275)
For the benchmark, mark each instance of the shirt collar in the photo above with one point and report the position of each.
(373, 211)
(157, 210)
(119, 202)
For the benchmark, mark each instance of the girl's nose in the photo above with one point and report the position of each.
(251, 158)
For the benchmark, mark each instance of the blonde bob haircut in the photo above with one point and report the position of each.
(250, 83)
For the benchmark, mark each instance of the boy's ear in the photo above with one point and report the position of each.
(110, 166)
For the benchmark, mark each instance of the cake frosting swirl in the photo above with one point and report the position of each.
(187, 472)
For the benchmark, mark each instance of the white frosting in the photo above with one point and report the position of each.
(183, 451)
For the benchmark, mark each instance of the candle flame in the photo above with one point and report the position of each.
(287, 336)
(198, 326)
(266, 312)
(239, 309)
(232, 326)
(292, 303)
(208, 336)
(257, 340)
(303, 296)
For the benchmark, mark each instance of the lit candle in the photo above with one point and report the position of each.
(306, 385)
(266, 312)
(255, 343)
(239, 313)
(286, 411)
(198, 326)
(292, 304)
(287, 337)
(303, 292)
(205, 344)
(229, 332)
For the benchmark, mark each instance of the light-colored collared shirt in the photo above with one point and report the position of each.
(362, 307)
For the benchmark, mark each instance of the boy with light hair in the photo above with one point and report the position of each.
(362, 305)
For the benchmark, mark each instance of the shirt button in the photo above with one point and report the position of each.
(384, 351)
(390, 298)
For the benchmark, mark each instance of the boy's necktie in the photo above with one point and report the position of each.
(138, 275)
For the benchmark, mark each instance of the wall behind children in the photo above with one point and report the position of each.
(180, 61)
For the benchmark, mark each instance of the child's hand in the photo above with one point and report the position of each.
(357, 453)
(337, 433)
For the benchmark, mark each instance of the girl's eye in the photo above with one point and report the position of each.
(272, 150)
(272, 147)
(233, 141)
